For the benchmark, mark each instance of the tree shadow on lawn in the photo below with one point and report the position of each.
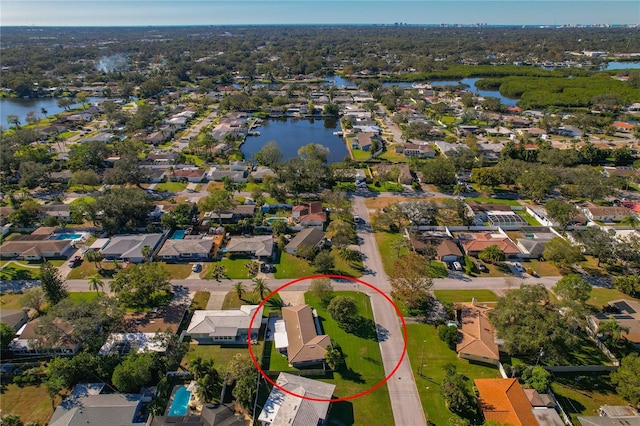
(570, 405)
(586, 382)
(341, 413)
(366, 328)
(347, 373)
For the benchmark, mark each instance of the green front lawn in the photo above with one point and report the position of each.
(364, 367)
(234, 267)
(386, 187)
(360, 155)
(581, 394)
(15, 271)
(425, 346)
(171, 186)
(83, 296)
(455, 296)
(290, 266)
(343, 267)
(391, 155)
(387, 244)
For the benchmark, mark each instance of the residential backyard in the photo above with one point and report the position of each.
(424, 347)
(581, 394)
(30, 403)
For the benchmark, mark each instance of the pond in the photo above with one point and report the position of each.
(622, 66)
(22, 107)
(292, 134)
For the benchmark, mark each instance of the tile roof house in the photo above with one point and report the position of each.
(85, 406)
(626, 313)
(283, 408)
(129, 247)
(363, 141)
(504, 401)
(225, 326)
(403, 171)
(605, 213)
(304, 345)
(474, 246)
(187, 248)
(260, 246)
(477, 342)
(311, 237)
(309, 214)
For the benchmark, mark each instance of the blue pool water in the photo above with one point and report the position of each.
(66, 236)
(178, 234)
(180, 402)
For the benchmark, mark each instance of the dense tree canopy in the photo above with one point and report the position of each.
(142, 285)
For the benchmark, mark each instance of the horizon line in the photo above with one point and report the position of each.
(395, 24)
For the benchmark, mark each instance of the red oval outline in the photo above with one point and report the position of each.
(346, 398)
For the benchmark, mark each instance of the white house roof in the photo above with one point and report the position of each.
(283, 409)
(280, 335)
(260, 245)
(224, 323)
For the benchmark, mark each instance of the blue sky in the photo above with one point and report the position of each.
(238, 12)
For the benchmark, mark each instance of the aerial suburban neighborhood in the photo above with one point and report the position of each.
(285, 226)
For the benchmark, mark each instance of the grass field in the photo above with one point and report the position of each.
(235, 268)
(10, 301)
(221, 354)
(30, 403)
(581, 394)
(388, 252)
(290, 266)
(364, 369)
(453, 296)
(602, 296)
(495, 201)
(171, 186)
(425, 346)
(83, 296)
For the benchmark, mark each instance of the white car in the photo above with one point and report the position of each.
(197, 267)
(518, 267)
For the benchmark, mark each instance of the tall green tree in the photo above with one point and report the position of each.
(95, 283)
(243, 375)
(324, 262)
(260, 287)
(528, 322)
(143, 285)
(7, 333)
(133, 373)
(492, 254)
(411, 281)
(53, 285)
(562, 252)
(343, 309)
(218, 201)
(626, 379)
(239, 289)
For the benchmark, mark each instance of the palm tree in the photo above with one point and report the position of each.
(96, 257)
(147, 252)
(95, 283)
(613, 329)
(631, 221)
(239, 288)
(195, 366)
(260, 287)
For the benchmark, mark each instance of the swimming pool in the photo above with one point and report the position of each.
(178, 234)
(66, 236)
(180, 402)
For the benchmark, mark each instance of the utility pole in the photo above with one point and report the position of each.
(421, 359)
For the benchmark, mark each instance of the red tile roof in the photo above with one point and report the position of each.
(504, 401)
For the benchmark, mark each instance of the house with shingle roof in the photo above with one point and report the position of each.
(310, 237)
(29, 341)
(35, 249)
(477, 335)
(260, 246)
(284, 408)
(626, 312)
(504, 401)
(187, 248)
(129, 247)
(605, 214)
(305, 346)
(225, 326)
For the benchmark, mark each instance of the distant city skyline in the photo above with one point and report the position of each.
(266, 12)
